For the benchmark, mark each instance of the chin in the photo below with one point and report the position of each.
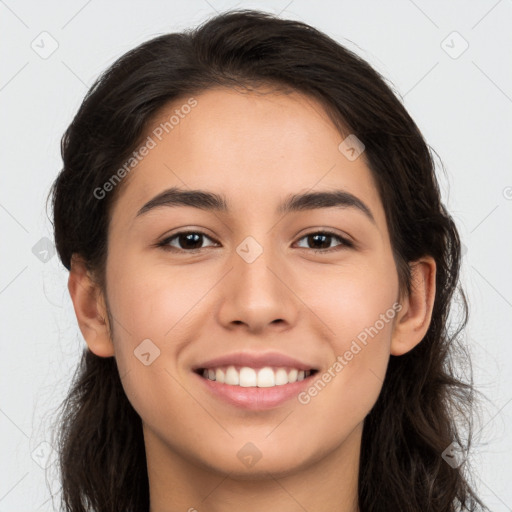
(245, 461)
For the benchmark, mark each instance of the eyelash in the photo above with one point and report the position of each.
(164, 244)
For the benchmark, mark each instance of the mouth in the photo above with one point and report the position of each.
(254, 380)
(254, 389)
(249, 377)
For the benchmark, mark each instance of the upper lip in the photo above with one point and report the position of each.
(255, 360)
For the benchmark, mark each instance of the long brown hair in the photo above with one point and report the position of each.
(100, 442)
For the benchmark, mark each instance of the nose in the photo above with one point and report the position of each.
(257, 294)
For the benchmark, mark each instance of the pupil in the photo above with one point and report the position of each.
(315, 237)
(192, 239)
(188, 237)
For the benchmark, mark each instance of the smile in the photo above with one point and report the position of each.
(246, 376)
(254, 389)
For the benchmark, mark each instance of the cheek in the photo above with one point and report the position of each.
(349, 298)
(344, 393)
(166, 406)
(151, 310)
(358, 306)
(154, 314)
(150, 300)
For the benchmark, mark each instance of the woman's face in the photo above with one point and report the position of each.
(256, 286)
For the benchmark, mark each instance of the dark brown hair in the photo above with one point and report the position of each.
(101, 447)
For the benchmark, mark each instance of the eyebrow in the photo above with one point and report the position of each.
(210, 201)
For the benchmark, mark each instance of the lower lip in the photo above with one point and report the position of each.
(254, 398)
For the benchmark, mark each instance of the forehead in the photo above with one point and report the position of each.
(253, 147)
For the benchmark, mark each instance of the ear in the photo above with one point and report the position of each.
(90, 309)
(413, 320)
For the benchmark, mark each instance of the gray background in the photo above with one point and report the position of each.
(461, 98)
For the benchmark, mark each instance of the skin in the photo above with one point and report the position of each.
(256, 149)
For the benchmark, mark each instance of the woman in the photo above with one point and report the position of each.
(262, 269)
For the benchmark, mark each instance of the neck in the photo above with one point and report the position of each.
(180, 484)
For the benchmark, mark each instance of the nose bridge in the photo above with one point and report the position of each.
(255, 264)
(256, 294)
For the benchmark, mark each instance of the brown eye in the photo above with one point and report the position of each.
(321, 241)
(188, 241)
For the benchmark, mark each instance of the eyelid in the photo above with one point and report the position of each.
(328, 231)
(164, 243)
(346, 241)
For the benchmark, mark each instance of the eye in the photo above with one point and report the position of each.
(323, 239)
(192, 241)
(188, 241)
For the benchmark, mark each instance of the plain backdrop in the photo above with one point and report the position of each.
(449, 61)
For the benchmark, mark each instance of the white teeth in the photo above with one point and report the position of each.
(281, 377)
(232, 376)
(266, 378)
(220, 376)
(247, 377)
(292, 375)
